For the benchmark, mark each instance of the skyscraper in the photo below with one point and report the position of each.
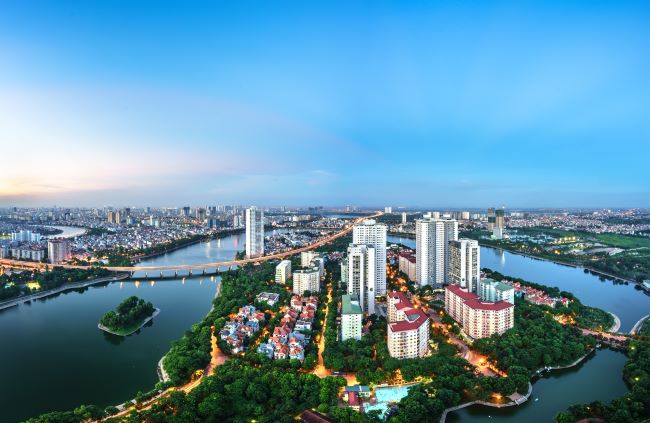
(491, 219)
(499, 224)
(254, 232)
(432, 238)
(464, 263)
(110, 217)
(374, 234)
(58, 250)
(361, 275)
(403, 218)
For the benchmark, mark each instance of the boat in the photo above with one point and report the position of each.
(536, 399)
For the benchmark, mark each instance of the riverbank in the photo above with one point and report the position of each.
(617, 323)
(638, 325)
(220, 235)
(67, 287)
(518, 400)
(560, 262)
(129, 332)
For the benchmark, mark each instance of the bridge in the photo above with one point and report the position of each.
(190, 267)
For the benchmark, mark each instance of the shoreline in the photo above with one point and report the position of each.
(63, 288)
(160, 367)
(178, 247)
(564, 263)
(617, 323)
(637, 326)
(521, 400)
(156, 312)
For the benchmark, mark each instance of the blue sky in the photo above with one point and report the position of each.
(367, 103)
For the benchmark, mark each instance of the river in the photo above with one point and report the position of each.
(53, 356)
(598, 378)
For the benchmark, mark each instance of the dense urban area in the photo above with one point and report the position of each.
(321, 318)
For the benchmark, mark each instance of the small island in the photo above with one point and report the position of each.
(130, 315)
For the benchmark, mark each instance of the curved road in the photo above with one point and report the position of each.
(321, 242)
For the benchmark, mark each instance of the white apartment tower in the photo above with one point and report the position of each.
(306, 280)
(58, 250)
(432, 238)
(361, 275)
(254, 232)
(374, 234)
(464, 263)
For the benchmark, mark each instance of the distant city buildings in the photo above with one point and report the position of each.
(254, 232)
(404, 218)
(351, 317)
(58, 250)
(408, 328)
(464, 263)
(432, 238)
(26, 236)
(283, 272)
(388, 210)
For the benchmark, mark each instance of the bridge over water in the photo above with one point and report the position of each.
(192, 269)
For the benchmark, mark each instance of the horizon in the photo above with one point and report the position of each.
(533, 106)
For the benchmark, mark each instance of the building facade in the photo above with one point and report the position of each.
(254, 232)
(432, 238)
(479, 319)
(464, 263)
(373, 234)
(361, 275)
(58, 250)
(493, 291)
(283, 271)
(408, 264)
(408, 328)
(351, 317)
(306, 280)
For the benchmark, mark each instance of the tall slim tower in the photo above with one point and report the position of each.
(432, 238)
(464, 263)
(374, 234)
(361, 275)
(254, 232)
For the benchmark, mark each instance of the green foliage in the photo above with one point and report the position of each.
(535, 341)
(130, 313)
(13, 286)
(239, 392)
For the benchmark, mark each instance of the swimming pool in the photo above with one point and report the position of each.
(387, 396)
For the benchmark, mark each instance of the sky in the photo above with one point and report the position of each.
(448, 104)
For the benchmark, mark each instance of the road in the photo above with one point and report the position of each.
(276, 256)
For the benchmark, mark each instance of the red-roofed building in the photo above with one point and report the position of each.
(479, 319)
(408, 328)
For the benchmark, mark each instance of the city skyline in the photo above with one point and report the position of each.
(369, 104)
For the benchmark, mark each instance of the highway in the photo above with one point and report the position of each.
(276, 256)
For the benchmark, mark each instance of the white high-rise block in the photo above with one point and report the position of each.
(464, 263)
(432, 238)
(374, 234)
(361, 275)
(254, 232)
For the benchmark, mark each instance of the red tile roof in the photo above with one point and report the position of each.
(456, 289)
(410, 325)
(479, 305)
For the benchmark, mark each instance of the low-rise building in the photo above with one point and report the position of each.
(306, 280)
(270, 298)
(408, 328)
(478, 318)
(493, 291)
(407, 264)
(351, 317)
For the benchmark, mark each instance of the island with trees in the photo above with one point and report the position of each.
(129, 316)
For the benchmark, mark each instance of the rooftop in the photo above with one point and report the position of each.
(350, 304)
